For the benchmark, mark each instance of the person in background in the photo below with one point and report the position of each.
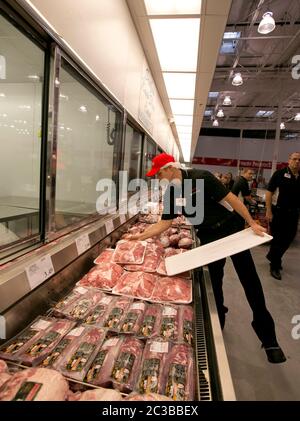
(218, 222)
(231, 180)
(225, 180)
(218, 175)
(241, 186)
(284, 191)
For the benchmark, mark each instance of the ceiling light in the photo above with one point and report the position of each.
(2, 67)
(220, 113)
(183, 120)
(282, 126)
(62, 96)
(173, 7)
(180, 85)
(34, 77)
(212, 94)
(237, 80)
(215, 123)
(227, 100)
(267, 24)
(171, 37)
(182, 106)
(208, 113)
(83, 109)
(97, 117)
(263, 113)
(2, 95)
(297, 117)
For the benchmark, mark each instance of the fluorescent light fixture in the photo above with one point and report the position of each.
(3, 115)
(220, 113)
(184, 129)
(208, 113)
(180, 85)
(62, 96)
(186, 149)
(97, 117)
(282, 126)
(2, 95)
(173, 7)
(34, 77)
(69, 129)
(237, 79)
(183, 120)
(215, 123)
(213, 94)
(182, 106)
(83, 109)
(227, 100)
(267, 24)
(2, 67)
(24, 107)
(231, 35)
(176, 42)
(263, 113)
(297, 117)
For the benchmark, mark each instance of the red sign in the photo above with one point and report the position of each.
(234, 163)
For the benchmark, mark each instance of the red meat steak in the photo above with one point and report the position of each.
(172, 290)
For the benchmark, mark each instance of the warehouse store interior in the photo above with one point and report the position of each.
(215, 84)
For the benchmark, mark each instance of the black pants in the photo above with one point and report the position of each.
(283, 229)
(262, 323)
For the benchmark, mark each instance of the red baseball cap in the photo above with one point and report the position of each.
(158, 162)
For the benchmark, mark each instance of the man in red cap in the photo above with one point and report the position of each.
(219, 221)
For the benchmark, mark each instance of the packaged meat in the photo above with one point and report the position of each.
(173, 290)
(115, 312)
(154, 356)
(186, 324)
(105, 256)
(132, 252)
(4, 377)
(185, 243)
(68, 299)
(152, 258)
(101, 394)
(174, 240)
(132, 319)
(103, 276)
(46, 342)
(126, 368)
(81, 307)
(16, 346)
(179, 373)
(161, 269)
(3, 367)
(134, 396)
(35, 384)
(164, 240)
(96, 316)
(81, 353)
(185, 234)
(150, 325)
(169, 322)
(101, 368)
(136, 284)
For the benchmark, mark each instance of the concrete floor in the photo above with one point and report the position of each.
(254, 378)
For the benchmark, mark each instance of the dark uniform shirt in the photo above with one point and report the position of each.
(241, 188)
(288, 189)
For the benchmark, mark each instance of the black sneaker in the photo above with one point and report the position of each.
(275, 273)
(275, 355)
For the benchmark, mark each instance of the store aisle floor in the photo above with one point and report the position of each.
(254, 377)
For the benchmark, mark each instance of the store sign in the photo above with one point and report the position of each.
(234, 163)
(39, 271)
(83, 244)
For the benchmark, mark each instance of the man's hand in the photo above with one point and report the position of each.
(269, 215)
(132, 237)
(258, 229)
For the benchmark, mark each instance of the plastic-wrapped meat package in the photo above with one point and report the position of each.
(3, 367)
(179, 373)
(105, 257)
(185, 234)
(173, 290)
(147, 397)
(46, 342)
(35, 384)
(154, 357)
(136, 284)
(185, 243)
(115, 312)
(161, 269)
(174, 240)
(82, 352)
(132, 252)
(101, 394)
(4, 377)
(132, 319)
(127, 366)
(150, 325)
(96, 316)
(152, 258)
(186, 325)
(12, 349)
(61, 306)
(103, 276)
(80, 308)
(169, 322)
(101, 368)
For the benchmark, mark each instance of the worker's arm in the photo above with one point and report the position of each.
(250, 199)
(241, 209)
(269, 214)
(152, 231)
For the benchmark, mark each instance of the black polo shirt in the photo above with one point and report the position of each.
(288, 188)
(214, 192)
(241, 188)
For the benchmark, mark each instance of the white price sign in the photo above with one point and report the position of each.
(109, 226)
(83, 243)
(122, 219)
(39, 271)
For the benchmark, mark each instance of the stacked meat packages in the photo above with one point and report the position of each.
(125, 329)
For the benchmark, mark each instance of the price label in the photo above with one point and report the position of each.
(109, 226)
(39, 271)
(122, 219)
(83, 243)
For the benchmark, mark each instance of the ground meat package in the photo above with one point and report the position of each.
(169, 322)
(105, 257)
(61, 306)
(82, 306)
(115, 312)
(173, 290)
(186, 324)
(151, 321)
(101, 368)
(46, 342)
(179, 373)
(96, 316)
(127, 366)
(130, 252)
(133, 318)
(81, 353)
(12, 349)
(136, 285)
(154, 357)
(103, 276)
